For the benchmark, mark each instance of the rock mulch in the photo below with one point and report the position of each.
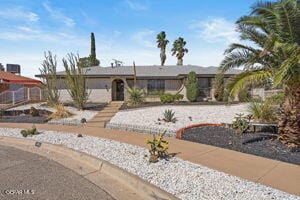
(260, 144)
(185, 115)
(185, 180)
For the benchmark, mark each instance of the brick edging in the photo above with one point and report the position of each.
(180, 131)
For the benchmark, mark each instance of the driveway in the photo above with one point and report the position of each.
(27, 176)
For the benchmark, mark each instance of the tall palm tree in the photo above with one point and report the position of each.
(162, 43)
(274, 30)
(179, 49)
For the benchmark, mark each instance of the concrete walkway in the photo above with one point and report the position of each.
(276, 174)
(105, 115)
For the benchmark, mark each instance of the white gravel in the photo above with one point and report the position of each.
(148, 117)
(75, 119)
(181, 178)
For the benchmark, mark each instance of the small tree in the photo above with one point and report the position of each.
(49, 78)
(75, 79)
(192, 87)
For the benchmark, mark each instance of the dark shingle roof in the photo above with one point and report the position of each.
(153, 71)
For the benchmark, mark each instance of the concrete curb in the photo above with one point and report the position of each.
(139, 186)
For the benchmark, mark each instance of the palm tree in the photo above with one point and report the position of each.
(274, 30)
(162, 43)
(179, 50)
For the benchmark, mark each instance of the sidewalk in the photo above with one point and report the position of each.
(276, 174)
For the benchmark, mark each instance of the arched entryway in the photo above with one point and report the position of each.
(118, 90)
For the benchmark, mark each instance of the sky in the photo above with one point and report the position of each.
(124, 29)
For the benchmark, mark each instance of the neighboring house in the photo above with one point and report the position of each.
(13, 82)
(110, 83)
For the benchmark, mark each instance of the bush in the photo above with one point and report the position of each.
(31, 131)
(241, 123)
(83, 120)
(244, 95)
(169, 116)
(263, 111)
(34, 112)
(158, 148)
(61, 112)
(136, 96)
(219, 87)
(192, 87)
(170, 98)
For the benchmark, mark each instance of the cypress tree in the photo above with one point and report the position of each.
(92, 58)
(192, 87)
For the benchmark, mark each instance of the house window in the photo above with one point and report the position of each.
(155, 87)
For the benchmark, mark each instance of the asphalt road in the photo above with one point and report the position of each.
(25, 175)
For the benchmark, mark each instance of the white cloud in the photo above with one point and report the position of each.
(134, 5)
(27, 29)
(145, 38)
(19, 14)
(215, 30)
(59, 15)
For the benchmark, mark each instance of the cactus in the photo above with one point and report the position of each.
(169, 116)
(158, 148)
(32, 131)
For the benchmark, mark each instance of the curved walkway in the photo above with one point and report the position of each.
(276, 174)
(36, 177)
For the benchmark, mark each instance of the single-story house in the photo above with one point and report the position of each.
(110, 83)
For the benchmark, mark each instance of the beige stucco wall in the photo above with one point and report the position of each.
(98, 88)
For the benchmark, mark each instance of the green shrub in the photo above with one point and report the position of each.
(244, 95)
(263, 111)
(158, 148)
(170, 98)
(169, 116)
(192, 87)
(167, 98)
(31, 131)
(277, 98)
(241, 123)
(136, 96)
(178, 97)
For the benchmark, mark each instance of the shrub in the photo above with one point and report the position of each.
(170, 98)
(136, 96)
(244, 95)
(219, 87)
(178, 97)
(158, 148)
(61, 112)
(166, 98)
(241, 123)
(31, 131)
(192, 87)
(263, 111)
(169, 116)
(34, 112)
(83, 120)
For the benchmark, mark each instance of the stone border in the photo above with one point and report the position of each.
(141, 129)
(180, 132)
(139, 186)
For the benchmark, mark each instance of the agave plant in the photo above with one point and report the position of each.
(169, 116)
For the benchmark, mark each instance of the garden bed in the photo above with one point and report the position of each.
(24, 116)
(176, 103)
(261, 144)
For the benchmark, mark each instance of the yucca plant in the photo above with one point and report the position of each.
(263, 111)
(169, 116)
(136, 96)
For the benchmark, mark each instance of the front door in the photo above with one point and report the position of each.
(119, 90)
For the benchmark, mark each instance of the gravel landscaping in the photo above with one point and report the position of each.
(147, 118)
(75, 119)
(260, 144)
(185, 180)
